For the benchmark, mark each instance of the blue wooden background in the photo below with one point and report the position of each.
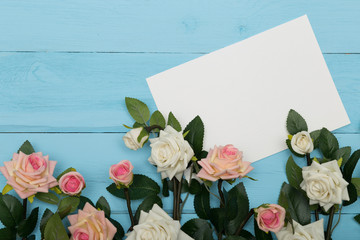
(66, 66)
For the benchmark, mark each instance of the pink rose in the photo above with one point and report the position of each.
(90, 224)
(29, 174)
(72, 183)
(270, 217)
(121, 173)
(225, 163)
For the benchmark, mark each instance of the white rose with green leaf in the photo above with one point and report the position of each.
(302, 143)
(324, 184)
(171, 153)
(131, 138)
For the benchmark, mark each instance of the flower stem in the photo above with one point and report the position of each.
(331, 217)
(25, 210)
(179, 199)
(150, 128)
(176, 199)
(238, 231)
(222, 198)
(222, 201)
(128, 202)
(317, 214)
(308, 159)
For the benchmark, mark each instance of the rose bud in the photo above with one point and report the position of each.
(131, 139)
(121, 173)
(302, 143)
(270, 217)
(72, 183)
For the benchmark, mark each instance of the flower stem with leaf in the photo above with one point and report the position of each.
(330, 221)
(128, 202)
(242, 225)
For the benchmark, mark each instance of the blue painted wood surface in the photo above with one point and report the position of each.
(66, 66)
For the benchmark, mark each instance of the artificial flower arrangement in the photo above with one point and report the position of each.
(323, 186)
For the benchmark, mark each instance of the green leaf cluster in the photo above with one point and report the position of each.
(11, 216)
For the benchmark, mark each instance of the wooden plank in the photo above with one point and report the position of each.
(161, 26)
(84, 92)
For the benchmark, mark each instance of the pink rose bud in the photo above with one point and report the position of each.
(121, 173)
(270, 217)
(223, 162)
(91, 224)
(72, 183)
(29, 174)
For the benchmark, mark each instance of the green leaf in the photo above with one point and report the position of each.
(70, 169)
(165, 189)
(27, 226)
(357, 218)
(195, 137)
(10, 211)
(293, 173)
(137, 125)
(7, 189)
(235, 238)
(315, 137)
(247, 235)
(26, 148)
(217, 218)
(120, 230)
(199, 229)
(356, 182)
(47, 197)
(352, 195)
(147, 205)
(202, 203)
(55, 229)
(141, 187)
(260, 234)
(138, 110)
(45, 218)
(172, 121)
(343, 153)
(142, 134)
(7, 234)
(83, 201)
(194, 186)
(295, 122)
(103, 204)
(328, 143)
(68, 205)
(157, 119)
(296, 203)
(350, 165)
(288, 143)
(237, 208)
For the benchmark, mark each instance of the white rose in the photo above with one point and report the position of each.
(324, 184)
(157, 224)
(313, 231)
(131, 137)
(170, 153)
(302, 143)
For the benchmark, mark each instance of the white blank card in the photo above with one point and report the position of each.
(243, 92)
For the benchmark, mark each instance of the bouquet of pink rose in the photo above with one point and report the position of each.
(30, 174)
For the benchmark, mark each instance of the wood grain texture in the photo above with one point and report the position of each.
(66, 66)
(84, 92)
(167, 26)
